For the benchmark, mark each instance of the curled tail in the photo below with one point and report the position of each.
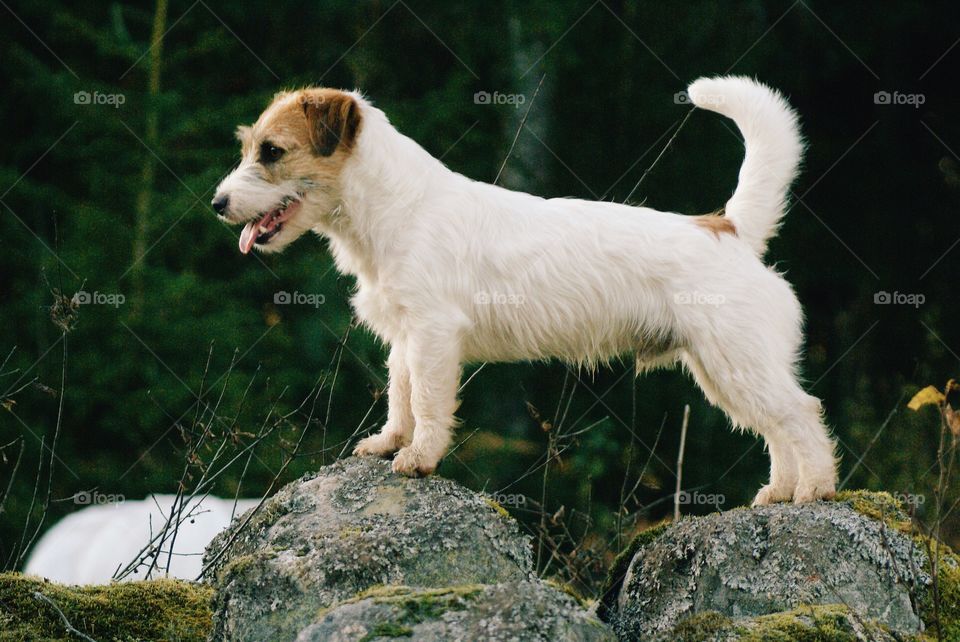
(774, 149)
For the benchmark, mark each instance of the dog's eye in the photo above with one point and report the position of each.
(270, 153)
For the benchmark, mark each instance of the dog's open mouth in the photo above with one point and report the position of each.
(262, 229)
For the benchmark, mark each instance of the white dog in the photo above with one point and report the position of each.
(450, 271)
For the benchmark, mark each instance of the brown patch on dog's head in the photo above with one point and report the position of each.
(717, 223)
(323, 122)
(333, 119)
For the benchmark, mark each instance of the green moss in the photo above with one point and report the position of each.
(948, 584)
(238, 565)
(495, 505)
(821, 623)
(878, 505)
(701, 627)
(611, 586)
(387, 630)
(569, 590)
(410, 606)
(414, 605)
(171, 610)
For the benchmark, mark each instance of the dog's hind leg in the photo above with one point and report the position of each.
(397, 432)
(783, 465)
(815, 450)
(434, 361)
(763, 395)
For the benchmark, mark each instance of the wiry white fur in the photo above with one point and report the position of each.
(450, 271)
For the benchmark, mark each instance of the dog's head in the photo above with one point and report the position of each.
(288, 180)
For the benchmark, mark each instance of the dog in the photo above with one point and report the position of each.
(451, 271)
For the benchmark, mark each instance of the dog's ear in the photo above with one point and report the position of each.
(244, 134)
(333, 119)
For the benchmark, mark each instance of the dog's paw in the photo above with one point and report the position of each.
(771, 494)
(379, 445)
(412, 463)
(806, 493)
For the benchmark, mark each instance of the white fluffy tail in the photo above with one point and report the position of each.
(774, 150)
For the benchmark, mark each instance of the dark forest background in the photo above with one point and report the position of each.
(108, 196)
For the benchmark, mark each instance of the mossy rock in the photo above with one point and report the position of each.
(173, 610)
(509, 611)
(747, 563)
(821, 623)
(348, 527)
(945, 615)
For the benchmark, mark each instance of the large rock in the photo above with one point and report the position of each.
(351, 526)
(746, 563)
(512, 611)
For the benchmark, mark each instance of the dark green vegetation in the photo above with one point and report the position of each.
(121, 195)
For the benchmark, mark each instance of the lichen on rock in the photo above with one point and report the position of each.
(527, 611)
(939, 609)
(348, 527)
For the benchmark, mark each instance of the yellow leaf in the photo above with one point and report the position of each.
(927, 396)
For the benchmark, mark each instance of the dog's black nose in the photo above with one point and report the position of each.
(220, 204)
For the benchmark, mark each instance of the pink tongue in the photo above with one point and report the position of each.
(248, 237)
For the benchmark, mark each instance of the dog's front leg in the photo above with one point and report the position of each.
(398, 430)
(434, 362)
